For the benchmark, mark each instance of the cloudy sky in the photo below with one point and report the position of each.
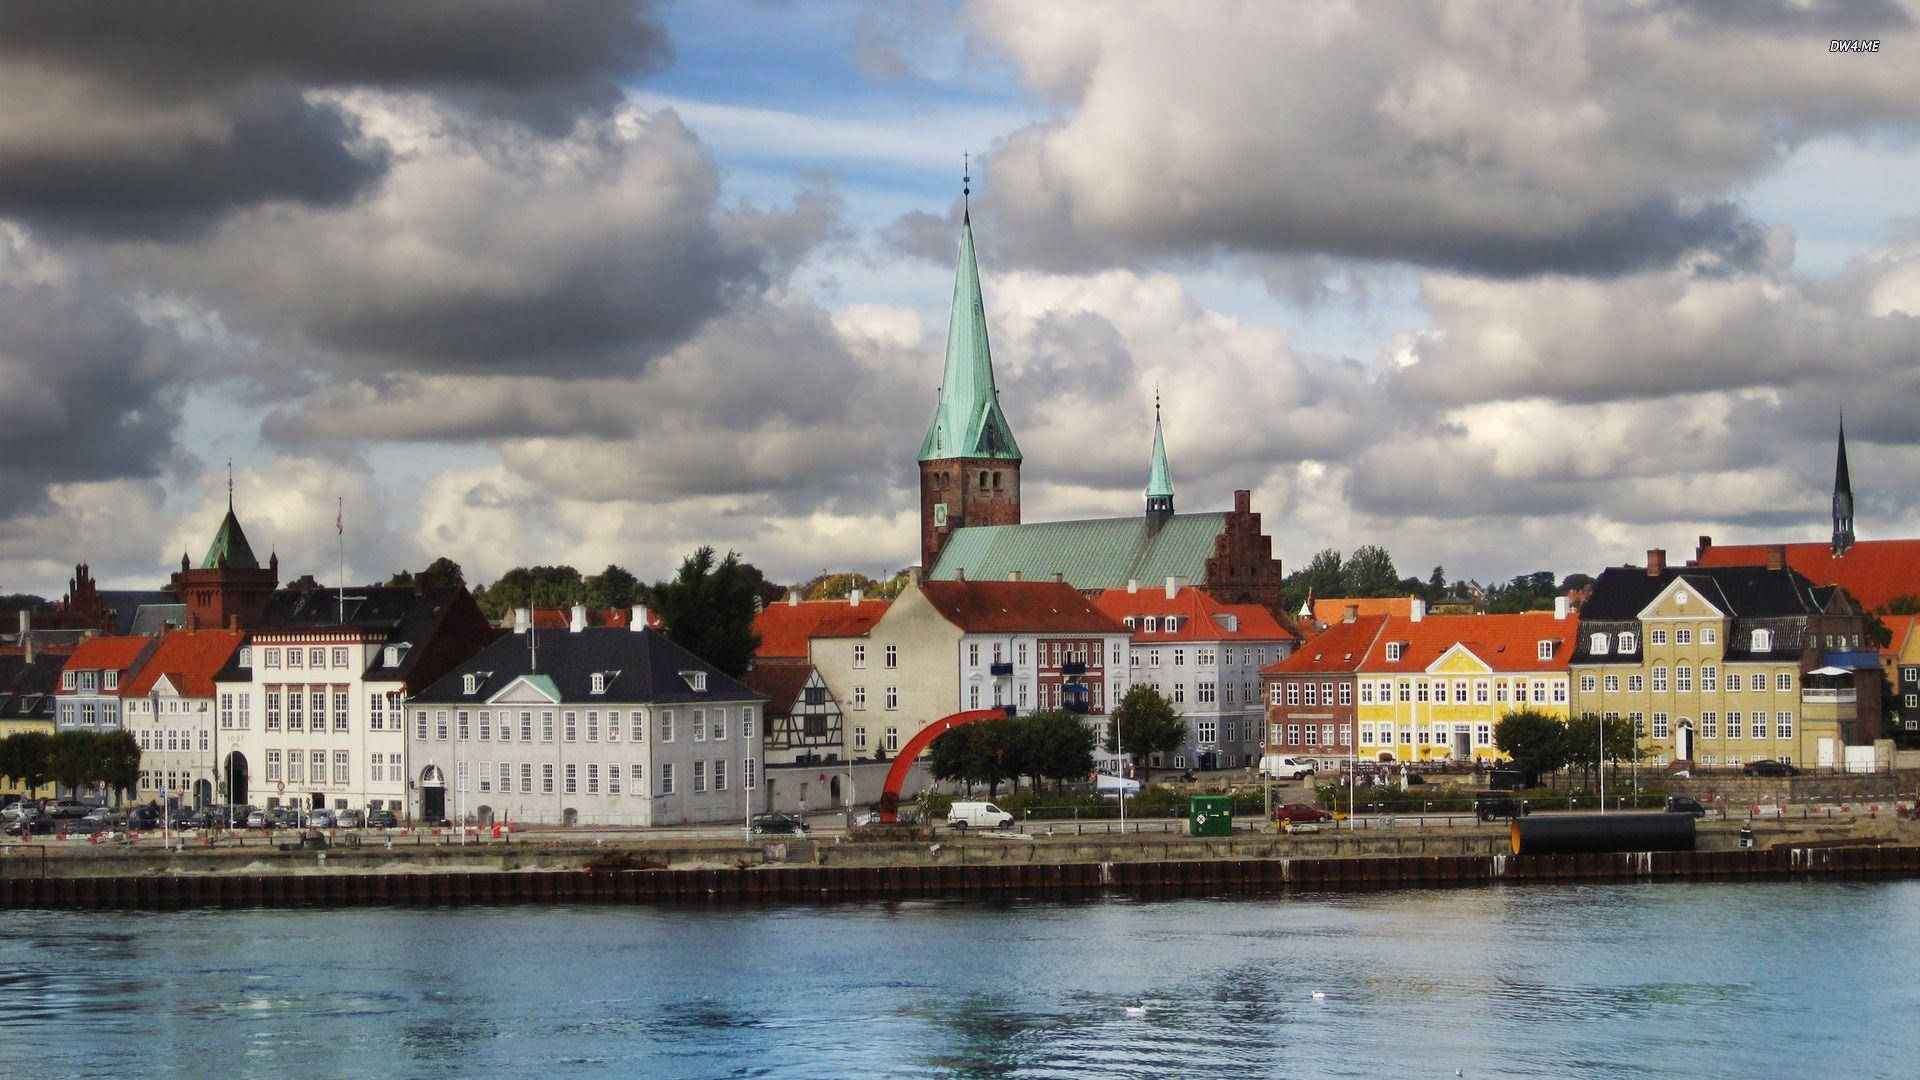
(1500, 287)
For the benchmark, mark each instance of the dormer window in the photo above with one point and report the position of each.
(1763, 641)
(1153, 624)
(1597, 644)
(469, 683)
(1629, 641)
(393, 654)
(1173, 623)
(599, 682)
(66, 680)
(1130, 622)
(1395, 649)
(246, 656)
(697, 680)
(110, 680)
(1546, 650)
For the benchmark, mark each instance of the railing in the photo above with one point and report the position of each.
(1001, 668)
(1073, 667)
(1828, 696)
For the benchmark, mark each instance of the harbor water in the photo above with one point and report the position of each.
(1649, 980)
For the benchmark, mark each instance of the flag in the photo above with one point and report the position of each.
(340, 518)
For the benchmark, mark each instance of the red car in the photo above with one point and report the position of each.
(1301, 813)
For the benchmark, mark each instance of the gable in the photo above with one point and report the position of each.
(1680, 600)
(1459, 660)
(527, 690)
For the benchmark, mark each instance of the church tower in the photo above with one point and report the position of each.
(229, 587)
(969, 461)
(1842, 498)
(1159, 477)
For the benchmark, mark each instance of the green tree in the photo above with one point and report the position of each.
(1583, 741)
(117, 761)
(992, 754)
(1536, 742)
(1904, 604)
(947, 754)
(33, 758)
(1062, 746)
(614, 587)
(1369, 572)
(531, 586)
(445, 571)
(709, 607)
(1319, 578)
(72, 760)
(1145, 724)
(838, 586)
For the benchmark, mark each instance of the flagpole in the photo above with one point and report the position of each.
(340, 527)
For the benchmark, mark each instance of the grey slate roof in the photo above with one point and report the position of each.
(1100, 553)
(27, 688)
(126, 604)
(403, 614)
(641, 666)
(1754, 597)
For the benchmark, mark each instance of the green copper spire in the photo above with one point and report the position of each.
(968, 422)
(1159, 477)
(230, 547)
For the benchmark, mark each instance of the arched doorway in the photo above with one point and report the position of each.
(484, 815)
(1683, 741)
(433, 793)
(237, 778)
(569, 817)
(833, 793)
(903, 761)
(202, 793)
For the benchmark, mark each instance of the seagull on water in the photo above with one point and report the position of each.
(1136, 1008)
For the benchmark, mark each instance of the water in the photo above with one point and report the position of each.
(1674, 980)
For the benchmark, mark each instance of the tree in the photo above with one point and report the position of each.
(531, 586)
(1536, 742)
(838, 586)
(1369, 572)
(445, 571)
(1145, 724)
(1583, 741)
(34, 758)
(1062, 745)
(614, 587)
(117, 761)
(1320, 577)
(1904, 604)
(708, 609)
(990, 756)
(72, 761)
(947, 754)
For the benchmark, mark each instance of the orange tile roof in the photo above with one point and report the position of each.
(786, 628)
(1503, 642)
(1334, 608)
(560, 618)
(1197, 610)
(1874, 571)
(189, 659)
(1338, 650)
(106, 654)
(1902, 627)
(1014, 607)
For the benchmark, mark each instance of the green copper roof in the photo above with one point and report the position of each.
(1159, 478)
(1100, 554)
(968, 421)
(230, 544)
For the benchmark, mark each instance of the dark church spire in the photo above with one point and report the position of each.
(1842, 497)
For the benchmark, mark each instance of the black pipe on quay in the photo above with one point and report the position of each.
(1581, 834)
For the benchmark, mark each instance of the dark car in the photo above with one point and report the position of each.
(1769, 767)
(382, 819)
(1494, 805)
(1300, 814)
(143, 818)
(1685, 804)
(776, 824)
(32, 825)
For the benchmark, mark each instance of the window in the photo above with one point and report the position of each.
(598, 683)
(1783, 725)
(506, 777)
(893, 697)
(486, 725)
(294, 656)
(1628, 641)
(1659, 679)
(1683, 678)
(1209, 732)
(859, 697)
(1709, 725)
(339, 658)
(570, 726)
(316, 658)
(1660, 725)
(1406, 690)
(1275, 696)
(1293, 693)
(1394, 651)
(1152, 624)
(893, 740)
(1657, 637)
(1173, 623)
(273, 765)
(859, 738)
(1709, 635)
(1736, 723)
(376, 713)
(1293, 734)
(546, 725)
(526, 778)
(747, 719)
(699, 777)
(1763, 641)
(666, 725)
(859, 656)
(1911, 674)
(1733, 680)
(593, 726)
(296, 767)
(1683, 636)
(613, 778)
(1709, 678)
(226, 710)
(1460, 692)
(1480, 692)
(1423, 692)
(319, 766)
(973, 654)
(1545, 651)
(440, 725)
(1483, 735)
(463, 725)
(246, 721)
(637, 722)
(749, 773)
(1586, 685)
(1313, 695)
(699, 725)
(526, 727)
(1346, 693)
(273, 658)
(1597, 644)
(893, 656)
(296, 702)
(546, 778)
(719, 724)
(570, 781)
(1783, 682)
(719, 774)
(460, 775)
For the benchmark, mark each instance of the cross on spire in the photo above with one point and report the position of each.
(229, 485)
(966, 182)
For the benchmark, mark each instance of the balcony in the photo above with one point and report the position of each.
(1001, 668)
(1073, 667)
(1078, 705)
(1815, 695)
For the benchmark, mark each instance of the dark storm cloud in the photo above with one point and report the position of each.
(143, 119)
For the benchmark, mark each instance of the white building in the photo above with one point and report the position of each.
(167, 703)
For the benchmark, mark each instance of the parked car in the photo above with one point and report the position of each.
(256, 819)
(31, 824)
(283, 817)
(1285, 768)
(1769, 767)
(350, 819)
(776, 824)
(1300, 813)
(321, 819)
(1494, 805)
(1685, 804)
(978, 815)
(143, 818)
(83, 826)
(382, 819)
(71, 808)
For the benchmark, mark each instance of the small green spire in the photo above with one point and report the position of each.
(1159, 476)
(968, 422)
(230, 547)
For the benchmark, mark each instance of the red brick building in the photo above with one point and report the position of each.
(1317, 687)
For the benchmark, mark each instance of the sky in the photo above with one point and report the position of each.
(1499, 287)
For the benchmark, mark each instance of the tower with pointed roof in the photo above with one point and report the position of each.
(1842, 498)
(969, 461)
(1159, 477)
(229, 587)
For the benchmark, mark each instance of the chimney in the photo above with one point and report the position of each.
(579, 620)
(1700, 550)
(1173, 586)
(1242, 501)
(959, 573)
(1560, 606)
(26, 623)
(1416, 610)
(854, 597)
(639, 618)
(1013, 575)
(1133, 586)
(918, 576)
(1059, 578)
(793, 597)
(1776, 556)
(193, 621)
(27, 649)
(1353, 613)
(233, 622)
(522, 618)
(1656, 561)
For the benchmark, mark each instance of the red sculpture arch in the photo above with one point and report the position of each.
(903, 761)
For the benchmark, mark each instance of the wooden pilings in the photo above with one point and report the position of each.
(786, 883)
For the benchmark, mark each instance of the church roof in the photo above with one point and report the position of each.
(230, 544)
(1102, 553)
(968, 421)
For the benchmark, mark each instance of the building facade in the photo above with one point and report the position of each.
(590, 726)
(89, 695)
(1205, 657)
(1719, 666)
(168, 707)
(29, 682)
(1311, 695)
(229, 587)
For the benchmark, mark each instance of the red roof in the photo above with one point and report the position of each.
(786, 628)
(1902, 627)
(1874, 571)
(106, 654)
(1503, 642)
(1201, 617)
(1018, 607)
(1339, 650)
(561, 618)
(1334, 609)
(781, 683)
(189, 659)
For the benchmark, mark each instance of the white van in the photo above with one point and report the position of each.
(1286, 768)
(978, 815)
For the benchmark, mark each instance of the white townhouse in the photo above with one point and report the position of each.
(89, 694)
(168, 706)
(593, 725)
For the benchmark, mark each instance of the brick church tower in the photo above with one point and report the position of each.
(969, 462)
(229, 584)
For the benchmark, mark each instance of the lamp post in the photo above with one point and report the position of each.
(1601, 722)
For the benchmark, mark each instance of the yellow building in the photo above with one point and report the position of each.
(1721, 666)
(26, 704)
(1432, 687)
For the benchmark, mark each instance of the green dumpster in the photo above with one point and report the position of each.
(1209, 815)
